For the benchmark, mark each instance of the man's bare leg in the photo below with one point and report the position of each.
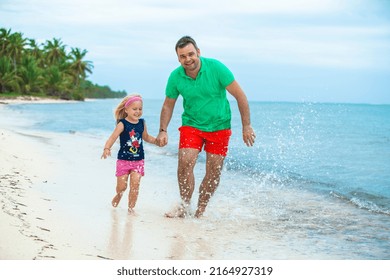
(214, 164)
(185, 175)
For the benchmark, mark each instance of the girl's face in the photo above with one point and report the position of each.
(134, 111)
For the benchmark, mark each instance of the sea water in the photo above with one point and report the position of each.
(318, 173)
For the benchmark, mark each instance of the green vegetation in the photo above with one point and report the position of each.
(46, 70)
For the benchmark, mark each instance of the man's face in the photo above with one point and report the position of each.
(189, 57)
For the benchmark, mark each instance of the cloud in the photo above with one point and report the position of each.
(278, 7)
(350, 35)
(95, 13)
(113, 12)
(112, 30)
(351, 47)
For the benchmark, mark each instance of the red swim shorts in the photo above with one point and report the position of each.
(124, 167)
(216, 142)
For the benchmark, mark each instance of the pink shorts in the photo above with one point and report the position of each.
(215, 142)
(124, 167)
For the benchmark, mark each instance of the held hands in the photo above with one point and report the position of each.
(162, 139)
(248, 135)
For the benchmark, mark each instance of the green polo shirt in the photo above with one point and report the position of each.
(204, 99)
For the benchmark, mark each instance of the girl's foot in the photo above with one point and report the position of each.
(115, 201)
(131, 211)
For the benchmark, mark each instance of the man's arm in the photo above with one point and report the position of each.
(248, 135)
(165, 118)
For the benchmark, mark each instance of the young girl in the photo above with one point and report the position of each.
(130, 163)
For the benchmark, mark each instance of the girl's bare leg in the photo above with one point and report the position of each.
(135, 179)
(121, 185)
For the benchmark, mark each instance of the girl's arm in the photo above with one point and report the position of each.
(111, 140)
(147, 137)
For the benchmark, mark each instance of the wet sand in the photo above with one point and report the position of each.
(55, 198)
(56, 204)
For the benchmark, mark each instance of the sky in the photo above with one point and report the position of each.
(279, 50)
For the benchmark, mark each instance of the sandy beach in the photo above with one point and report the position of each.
(31, 99)
(56, 205)
(31, 225)
(55, 201)
(55, 198)
(37, 168)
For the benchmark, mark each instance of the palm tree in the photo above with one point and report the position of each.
(78, 67)
(11, 50)
(31, 75)
(4, 38)
(54, 52)
(35, 51)
(14, 47)
(8, 80)
(27, 67)
(57, 83)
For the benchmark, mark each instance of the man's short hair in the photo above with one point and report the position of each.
(184, 41)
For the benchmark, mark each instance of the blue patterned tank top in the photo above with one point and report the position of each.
(131, 141)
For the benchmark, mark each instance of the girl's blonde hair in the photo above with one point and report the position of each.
(119, 112)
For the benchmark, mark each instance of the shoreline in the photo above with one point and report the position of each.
(31, 225)
(56, 204)
(52, 207)
(32, 99)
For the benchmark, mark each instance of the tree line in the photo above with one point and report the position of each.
(47, 69)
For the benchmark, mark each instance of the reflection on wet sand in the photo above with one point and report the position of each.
(121, 237)
(190, 241)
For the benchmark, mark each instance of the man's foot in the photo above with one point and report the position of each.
(181, 211)
(199, 212)
(117, 198)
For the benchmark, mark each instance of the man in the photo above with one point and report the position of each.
(202, 82)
